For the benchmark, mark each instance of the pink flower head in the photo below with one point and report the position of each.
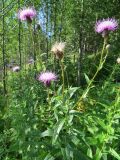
(27, 14)
(109, 24)
(47, 77)
(16, 69)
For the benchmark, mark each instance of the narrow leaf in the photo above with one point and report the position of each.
(57, 130)
(115, 154)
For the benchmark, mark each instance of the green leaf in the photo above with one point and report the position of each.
(74, 112)
(78, 155)
(47, 133)
(89, 153)
(87, 78)
(59, 90)
(98, 154)
(49, 157)
(114, 153)
(101, 123)
(72, 91)
(67, 153)
(75, 140)
(57, 130)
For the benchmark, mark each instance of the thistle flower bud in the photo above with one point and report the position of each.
(58, 49)
(118, 60)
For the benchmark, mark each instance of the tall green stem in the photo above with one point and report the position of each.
(48, 95)
(32, 36)
(102, 61)
(63, 78)
(40, 56)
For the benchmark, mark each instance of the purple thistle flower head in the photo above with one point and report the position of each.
(16, 69)
(104, 25)
(47, 77)
(27, 14)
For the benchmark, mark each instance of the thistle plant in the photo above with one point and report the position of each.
(29, 130)
(28, 15)
(58, 50)
(47, 78)
(104, 27)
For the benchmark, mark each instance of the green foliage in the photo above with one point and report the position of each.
(36, 129)
(41, 123)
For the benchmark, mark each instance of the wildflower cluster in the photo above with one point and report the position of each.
(102, 26)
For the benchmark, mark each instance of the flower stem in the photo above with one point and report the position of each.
(63, 78)
(48, 95)
(102, 61)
